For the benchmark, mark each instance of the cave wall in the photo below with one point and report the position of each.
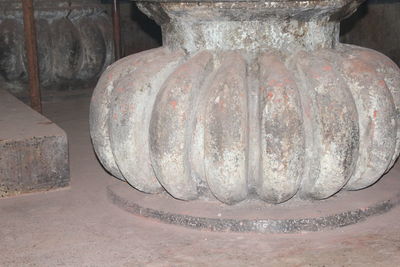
(74, 40)
(375, 25)
(138, 32)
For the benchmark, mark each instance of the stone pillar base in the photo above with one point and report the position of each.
(249, 99)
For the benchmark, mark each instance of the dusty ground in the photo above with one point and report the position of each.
(79, 227)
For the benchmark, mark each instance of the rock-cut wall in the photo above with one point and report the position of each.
(74, 43)
(375, 25)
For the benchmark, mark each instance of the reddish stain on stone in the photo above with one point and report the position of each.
(359, 67)
(120, 89)
(327, 68)
(288, 81)
(382, 83)
(270, 95)
(221, 104)
(315, 74)
(375, 114)
(275, 83)
(173, 104)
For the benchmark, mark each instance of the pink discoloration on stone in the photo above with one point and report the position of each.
(327, 68)
(173, 104)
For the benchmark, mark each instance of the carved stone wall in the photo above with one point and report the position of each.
(138, 32)
(375, 25)
(74, 43)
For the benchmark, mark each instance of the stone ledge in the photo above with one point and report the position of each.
(33, 150)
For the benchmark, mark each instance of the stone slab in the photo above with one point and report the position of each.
(293, 216)
(33, 150)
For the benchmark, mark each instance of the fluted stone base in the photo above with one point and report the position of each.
(249, 100)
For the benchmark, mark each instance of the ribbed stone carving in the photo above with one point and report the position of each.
(252, 100)
(74, 42)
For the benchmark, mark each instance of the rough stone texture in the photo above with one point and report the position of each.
(33, 150)
(375, 25)
(74, 43)
(249, 100)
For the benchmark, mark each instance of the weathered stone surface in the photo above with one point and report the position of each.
(75, 43)
(260, 100)
(33, 150)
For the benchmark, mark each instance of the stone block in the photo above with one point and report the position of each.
(33, 150)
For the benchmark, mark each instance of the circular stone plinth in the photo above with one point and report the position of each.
(345, 208)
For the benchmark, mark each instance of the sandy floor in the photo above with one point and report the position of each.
(79, 227)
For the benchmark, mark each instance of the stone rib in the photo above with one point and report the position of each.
(226, 133)
(170, 131)
(390, 73)
(100, 106)
(129, 119)
(282, 134)
(376, 116)
(335, 127)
